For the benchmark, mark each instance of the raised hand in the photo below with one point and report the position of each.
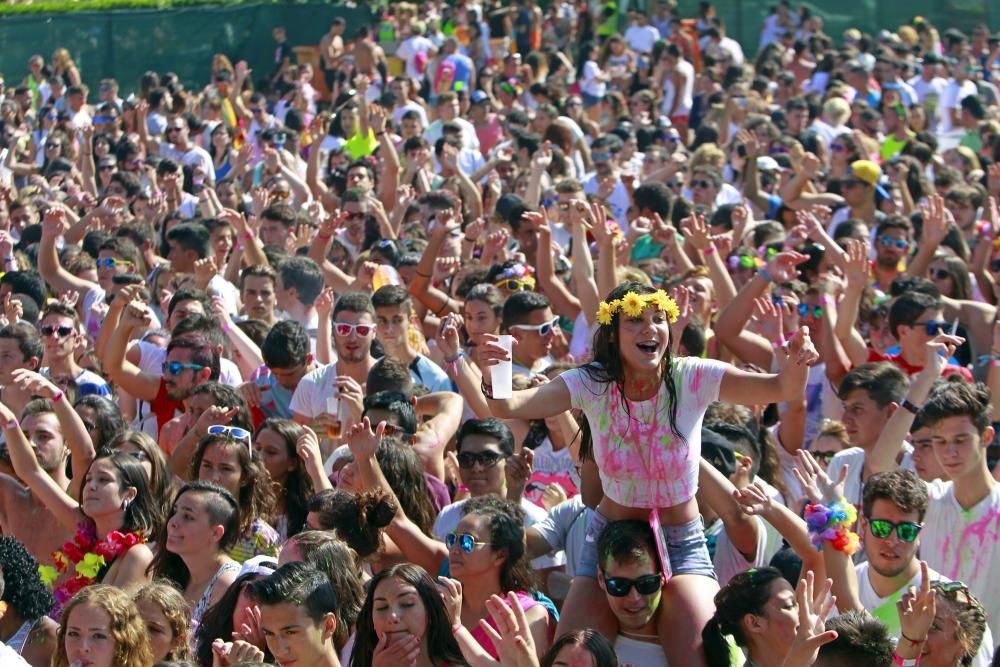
(782, 267)
(937, 220)
(491, 352)
(324, 302)
(770, 319)
(753, 500)
(939, 350)
(857, 270)
(364, 442)
(34, 384)
(815, 604)
(512, 636)
(917, 608)
(448, 339)
(801, 349)
(816, 484)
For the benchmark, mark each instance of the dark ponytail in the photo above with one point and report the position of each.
(746, 593)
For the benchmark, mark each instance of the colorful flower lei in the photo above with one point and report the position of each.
(832, 524)
(633, 304)
(87, 555)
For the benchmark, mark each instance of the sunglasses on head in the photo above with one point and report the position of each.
(514, 285)
(887, 241)
(175, 368)
(111, 262)
(805, 309)
(344, 329)
(232, 433)
(487, 459)
(49, 329)
(542, 329)
(619, 587)
(467, 543)
(906, 531)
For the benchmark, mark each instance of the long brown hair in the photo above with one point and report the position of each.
(607, 366)
(256, 497)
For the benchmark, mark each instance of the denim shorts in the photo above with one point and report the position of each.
(686, 547)
(590, 101)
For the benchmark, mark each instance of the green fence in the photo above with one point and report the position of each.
(744, 18)
(126, 43)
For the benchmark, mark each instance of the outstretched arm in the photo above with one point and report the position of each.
(22, 457)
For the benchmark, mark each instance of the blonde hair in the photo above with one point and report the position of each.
(707, 155)
(837, 109)
(173, 605)
(127, 629)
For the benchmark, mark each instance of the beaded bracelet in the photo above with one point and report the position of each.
(832, 524)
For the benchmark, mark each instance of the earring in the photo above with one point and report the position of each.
(125, 503)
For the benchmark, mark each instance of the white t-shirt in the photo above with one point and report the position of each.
(928, 92)
(686, 94)
(885, 610)
(408, 51)
(564, 528)
(729, 561)
(854, 459)
(963, 544)
(634, 653)
(450, 515)
(228, 292)
(309, 399)
(641, 38)
(951, 98)
(618, 200)
(195, 156)
(589, 82)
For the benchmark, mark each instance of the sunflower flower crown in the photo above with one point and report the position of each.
(632, 304)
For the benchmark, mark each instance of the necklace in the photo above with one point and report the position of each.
(639, 635)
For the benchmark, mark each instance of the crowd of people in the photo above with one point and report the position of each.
(514, 335)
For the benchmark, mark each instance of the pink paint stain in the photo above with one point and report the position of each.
(973, 543)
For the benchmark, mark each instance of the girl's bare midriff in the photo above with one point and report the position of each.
(677, 515)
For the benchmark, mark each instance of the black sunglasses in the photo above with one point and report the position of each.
(619, 587)
(48, 329)
(487, 459)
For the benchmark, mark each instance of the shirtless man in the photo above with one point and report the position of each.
(368, 56)
(331, 49)
(21, 513)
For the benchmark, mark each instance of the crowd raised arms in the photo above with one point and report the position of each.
(508, 336)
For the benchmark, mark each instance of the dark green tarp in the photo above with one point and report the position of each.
(126, 43)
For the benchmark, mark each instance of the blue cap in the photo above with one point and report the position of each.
(478, 97)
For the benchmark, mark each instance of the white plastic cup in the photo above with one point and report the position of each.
(502, 374)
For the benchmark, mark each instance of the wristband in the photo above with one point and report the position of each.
(995, 363)
(423, 275)
(455, 628)
(909, 406)
(779, 343)
(323, 238)
(765, 275)
(831, 523)
(487, 389)
(912, 641)
(58, 397)
(13, 423)
(379, 134)
(825, 301)
(904, 662)
(452, 359)
(710, 250)
(248, 234)
(8, 258)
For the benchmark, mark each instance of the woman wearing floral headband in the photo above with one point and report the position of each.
(645, 410)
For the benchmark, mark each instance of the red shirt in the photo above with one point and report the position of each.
(164, 407)
(909, 369)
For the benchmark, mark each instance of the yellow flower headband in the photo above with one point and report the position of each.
(633, 304)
